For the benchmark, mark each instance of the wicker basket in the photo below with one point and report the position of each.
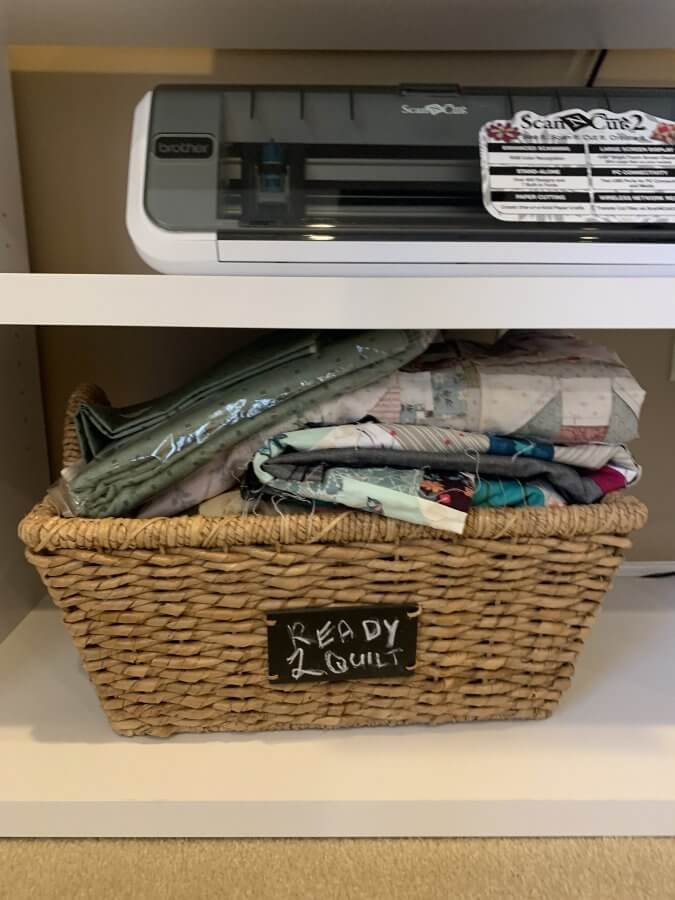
(169, 615)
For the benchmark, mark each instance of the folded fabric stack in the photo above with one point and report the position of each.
(410, 425)
(134, 453)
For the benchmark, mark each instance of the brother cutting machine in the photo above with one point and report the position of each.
(375, 181)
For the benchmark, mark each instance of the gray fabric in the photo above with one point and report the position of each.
(621, 422)
(547, 420)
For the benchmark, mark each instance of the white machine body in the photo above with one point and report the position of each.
(363, 181)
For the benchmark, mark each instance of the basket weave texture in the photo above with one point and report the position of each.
(168, 615)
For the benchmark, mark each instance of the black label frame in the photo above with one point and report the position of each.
(340, 643)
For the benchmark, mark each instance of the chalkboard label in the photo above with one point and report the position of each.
(342, 642)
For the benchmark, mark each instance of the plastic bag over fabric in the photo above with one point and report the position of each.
(99, 426)
(150, 447)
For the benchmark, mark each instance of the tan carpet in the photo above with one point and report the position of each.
(413, 869)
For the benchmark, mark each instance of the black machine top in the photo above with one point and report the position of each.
(361, 163)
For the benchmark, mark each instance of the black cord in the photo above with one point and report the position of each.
(595, 71)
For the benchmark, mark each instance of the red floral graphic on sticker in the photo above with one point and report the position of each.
(664, 131)
(502, 131)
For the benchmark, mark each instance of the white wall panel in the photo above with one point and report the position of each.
(347, 24)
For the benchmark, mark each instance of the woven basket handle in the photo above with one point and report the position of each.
(85, 393)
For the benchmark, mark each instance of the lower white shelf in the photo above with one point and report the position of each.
(603, 765)
(285, 301)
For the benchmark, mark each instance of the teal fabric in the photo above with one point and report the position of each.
(498, 492)
(168, 440)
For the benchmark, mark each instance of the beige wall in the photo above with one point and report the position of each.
(73, 133)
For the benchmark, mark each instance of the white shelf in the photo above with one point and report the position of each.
(347, 25)
(375, 302)
(603, 765)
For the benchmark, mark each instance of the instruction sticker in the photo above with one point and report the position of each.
(579, 166)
